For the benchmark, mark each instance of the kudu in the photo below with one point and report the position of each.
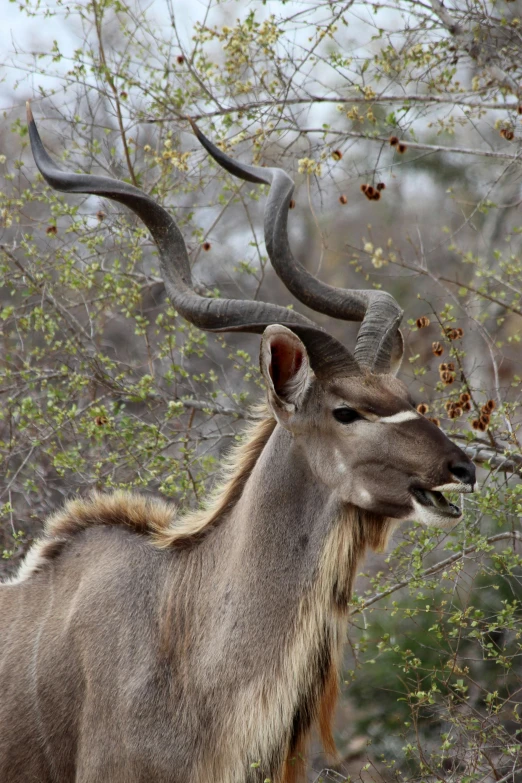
(140, 648)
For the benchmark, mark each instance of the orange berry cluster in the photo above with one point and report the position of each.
(455, 409)
(454, 334)
(447, 372)
(400, 146)
(373, 193)
(485, 415)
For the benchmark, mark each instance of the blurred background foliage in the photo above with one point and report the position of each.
(103, 385)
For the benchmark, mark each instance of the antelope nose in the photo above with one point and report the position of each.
(464, 472)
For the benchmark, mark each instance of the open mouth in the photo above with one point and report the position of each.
(434, 501)
(431, 507)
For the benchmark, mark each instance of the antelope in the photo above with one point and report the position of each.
(139, 647)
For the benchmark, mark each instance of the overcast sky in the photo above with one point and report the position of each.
(20, 33)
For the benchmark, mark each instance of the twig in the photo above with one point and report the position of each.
(112, 85)
(513, 534)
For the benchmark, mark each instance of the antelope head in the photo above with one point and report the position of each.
(363, 437)
(353, 420)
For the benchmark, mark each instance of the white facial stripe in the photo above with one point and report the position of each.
(399, 418)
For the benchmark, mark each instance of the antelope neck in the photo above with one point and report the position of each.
(272, 548)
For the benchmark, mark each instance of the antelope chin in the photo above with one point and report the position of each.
(433, 510)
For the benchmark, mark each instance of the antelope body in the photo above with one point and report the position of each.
(136, 647)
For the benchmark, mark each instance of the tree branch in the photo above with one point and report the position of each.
(354, 100)
(477, 51)
(434, 569)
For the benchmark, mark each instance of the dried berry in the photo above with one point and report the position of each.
(465, 397)
(337, 154)
(100, 215)
(343, 199)
(437, 349)
(447, 377)
(180, 59)
(371, 193)
(422, 322)
(101, 421)
(443, 367)
(381, 186)
(422, 408)
(507, 134)
(51, 230)
(490, 405)
(466, 406)
(394, 141)
(435, 421)
(454, 334)
(451, 367)
(402, 148)
(292, 204)
(206, 246)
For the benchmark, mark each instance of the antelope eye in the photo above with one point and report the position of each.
(346, 415)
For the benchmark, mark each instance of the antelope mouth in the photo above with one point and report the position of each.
(435, 500)
(434, 510)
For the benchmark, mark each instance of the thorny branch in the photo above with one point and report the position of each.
(513, 535)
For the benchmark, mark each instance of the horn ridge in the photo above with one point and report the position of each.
(327, 355)
(379, 312)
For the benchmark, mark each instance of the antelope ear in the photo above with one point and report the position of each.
(397, 352)
(286, 369)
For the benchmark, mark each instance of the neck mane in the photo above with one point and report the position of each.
(236, 470)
